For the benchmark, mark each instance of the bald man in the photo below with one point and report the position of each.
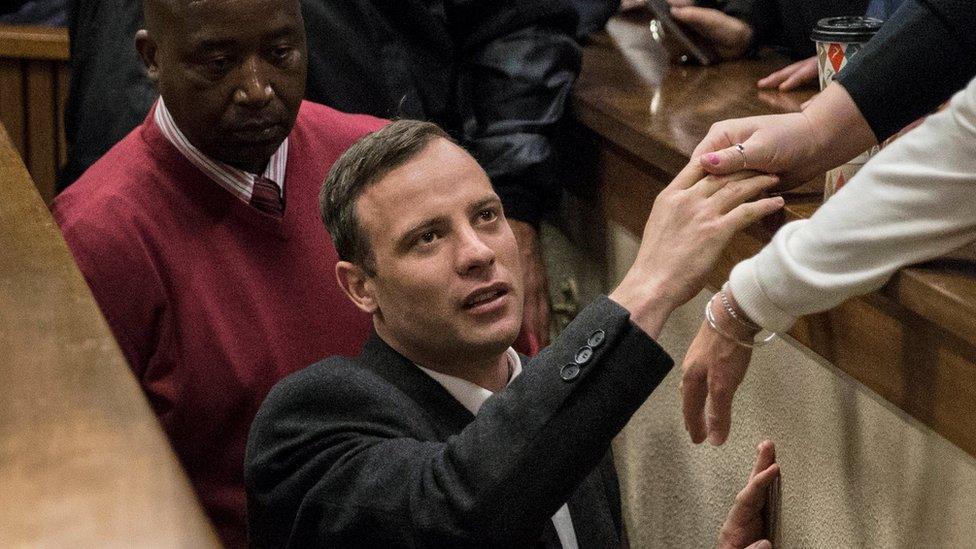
(198, 232)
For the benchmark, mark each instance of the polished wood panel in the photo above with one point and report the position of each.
(33, 93)
(12, 112)
(34, 42)
(913, 342)
(83, 461)
(42, 136)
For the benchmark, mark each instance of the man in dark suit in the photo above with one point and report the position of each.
(437, 436)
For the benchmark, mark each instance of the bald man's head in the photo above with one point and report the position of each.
(231, 72)
(156, 11)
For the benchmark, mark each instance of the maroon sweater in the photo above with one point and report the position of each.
(212, 301)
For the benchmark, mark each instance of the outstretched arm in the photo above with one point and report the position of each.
(912, 202)
(337, 457)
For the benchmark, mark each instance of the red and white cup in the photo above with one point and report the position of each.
(838, 40)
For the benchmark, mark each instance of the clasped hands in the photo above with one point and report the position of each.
(715, 363)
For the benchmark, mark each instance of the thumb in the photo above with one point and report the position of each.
(761, 544)
(747, 155)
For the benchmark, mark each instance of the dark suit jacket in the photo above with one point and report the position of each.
(373, 452)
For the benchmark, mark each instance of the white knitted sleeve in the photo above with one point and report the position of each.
(915, 200)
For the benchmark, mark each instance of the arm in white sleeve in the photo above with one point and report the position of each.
(914, 201)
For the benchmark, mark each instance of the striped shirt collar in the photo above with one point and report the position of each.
(239, 182)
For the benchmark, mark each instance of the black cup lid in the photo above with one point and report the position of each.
(854, 28)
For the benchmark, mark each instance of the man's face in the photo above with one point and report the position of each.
(448, 282)
(232, 73)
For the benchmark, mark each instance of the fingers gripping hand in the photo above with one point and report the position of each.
(779, 144)
(792, 76)
(744, 524)
(712, 371)
(691, 222)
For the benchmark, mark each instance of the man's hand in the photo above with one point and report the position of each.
(535, 317)
(729, 36)
(745, 523)
(791, 76)
(796, 146)
(691, 222)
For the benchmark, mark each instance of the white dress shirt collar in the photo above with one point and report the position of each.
(472, 396)
(239, 182)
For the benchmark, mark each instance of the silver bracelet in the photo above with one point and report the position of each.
(710, 318)
(731, 310)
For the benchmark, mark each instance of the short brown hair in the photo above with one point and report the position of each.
(365, 163)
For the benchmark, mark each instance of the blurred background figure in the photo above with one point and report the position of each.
(735, 28)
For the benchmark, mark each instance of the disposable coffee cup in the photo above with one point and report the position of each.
(838, 40)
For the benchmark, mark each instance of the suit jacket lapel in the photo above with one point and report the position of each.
(444, 410)
(588, 507)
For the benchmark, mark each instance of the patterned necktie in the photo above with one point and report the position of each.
(266, 197)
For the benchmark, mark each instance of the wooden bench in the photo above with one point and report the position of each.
(83, 461)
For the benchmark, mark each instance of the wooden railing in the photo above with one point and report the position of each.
(83, 461)
(33, 92)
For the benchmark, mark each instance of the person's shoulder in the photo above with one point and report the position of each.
(336, 124)
(110, 189)
(334, 380)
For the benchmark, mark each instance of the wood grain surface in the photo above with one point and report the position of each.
(33, 93)
(83, 462)
(913, 342)
(34, 42)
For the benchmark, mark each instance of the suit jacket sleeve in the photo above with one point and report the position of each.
(519, 63)
(924, 53)
(329, 463)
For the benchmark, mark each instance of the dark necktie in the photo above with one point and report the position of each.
(266, 197)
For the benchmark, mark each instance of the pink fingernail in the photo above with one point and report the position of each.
(713, 158)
